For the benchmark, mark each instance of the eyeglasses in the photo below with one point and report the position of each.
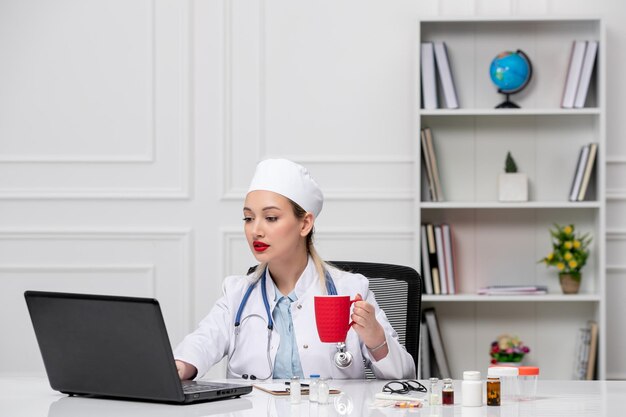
(403, 387)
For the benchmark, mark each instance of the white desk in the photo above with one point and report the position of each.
(32, 397)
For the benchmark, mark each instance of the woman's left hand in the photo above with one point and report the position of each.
(368, 328)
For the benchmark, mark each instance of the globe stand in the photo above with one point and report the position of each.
(506, 104)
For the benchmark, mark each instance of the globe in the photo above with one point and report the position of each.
(511, 73)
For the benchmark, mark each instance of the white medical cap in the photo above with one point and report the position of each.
(290, 180)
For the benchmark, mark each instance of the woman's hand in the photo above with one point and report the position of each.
(368, 328)
(185, 370)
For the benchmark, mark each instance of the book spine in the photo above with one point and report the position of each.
(432, 253)
(441, 260)
(428, 281)
(429, 81)
(429, 168)
(437, 342)
(585, 75)
(573, 73)
(447, 243)
(433, 163)
(593, 148)
(578, 175)
(445, 75)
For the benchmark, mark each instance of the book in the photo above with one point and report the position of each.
(593, 350)
(433, 163)
(436, 340)
(424, 358)
(513, 290)
(432, 258)
(447, 244)
(578, 174)
(427, 278)
(585, 75)
(573, 73)
(445, 75)
(579, 370)
(429, 170)
(441, 260)
(429, 77)
(593, 149)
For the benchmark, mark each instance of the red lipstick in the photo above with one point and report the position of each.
(259, 246)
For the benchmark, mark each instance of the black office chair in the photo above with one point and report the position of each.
(398, 291)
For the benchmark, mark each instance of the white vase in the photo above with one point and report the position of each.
(513, 187)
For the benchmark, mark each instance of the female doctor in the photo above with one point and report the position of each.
(265, 321)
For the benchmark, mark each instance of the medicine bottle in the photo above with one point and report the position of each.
(323, 396)
(435, 394)
(295, 393)
(493, 390)
(314, 387)
(508, 382)
(471, 389)
(447, 392)
(528, 382)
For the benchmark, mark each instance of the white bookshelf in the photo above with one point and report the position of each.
(501, 243)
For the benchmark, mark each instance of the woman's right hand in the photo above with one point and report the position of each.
(185, 370)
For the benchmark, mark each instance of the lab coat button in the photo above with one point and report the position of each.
(305, 346)
(299, 306)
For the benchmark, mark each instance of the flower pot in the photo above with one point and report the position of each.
(570, 282)
(513, 187)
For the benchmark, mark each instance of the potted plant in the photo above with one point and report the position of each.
(569, 255)
(512, 185)
(508, 350)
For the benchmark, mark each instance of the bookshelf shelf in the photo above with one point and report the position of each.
(577, 298)
(511, 112)
(500, 205)
(500, 243)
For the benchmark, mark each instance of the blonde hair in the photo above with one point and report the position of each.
(320, 264)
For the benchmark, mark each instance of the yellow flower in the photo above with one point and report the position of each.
(568, 245)
(560, 266)
(567, 256)
(573, 264)
(550, 256)
(577, 244)
(568, 230)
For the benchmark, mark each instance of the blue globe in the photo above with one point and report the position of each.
(510, 71)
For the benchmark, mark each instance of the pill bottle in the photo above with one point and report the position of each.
(435, 392)
(527, 378)
(493, 390)
(314, 387)
(323, 396)
(508, 381)
(295, 393)
(472, 389)
(447, 392)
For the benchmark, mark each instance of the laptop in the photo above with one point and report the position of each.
(110, 346)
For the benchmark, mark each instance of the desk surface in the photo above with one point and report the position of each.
(33, 397)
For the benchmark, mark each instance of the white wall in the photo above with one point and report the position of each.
(129, 131)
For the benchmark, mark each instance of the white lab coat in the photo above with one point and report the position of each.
(215, 338)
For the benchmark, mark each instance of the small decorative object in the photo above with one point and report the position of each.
(510, 72)
(512, 185)
(508, 350)
(569, 255)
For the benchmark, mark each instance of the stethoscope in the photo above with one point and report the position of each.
(342, 358)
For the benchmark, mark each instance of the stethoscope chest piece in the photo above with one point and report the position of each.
(342, 358)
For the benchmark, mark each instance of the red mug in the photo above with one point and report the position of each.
(332, 317)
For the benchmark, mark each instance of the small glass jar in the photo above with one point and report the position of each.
(447, 392)
(435, 392)
(323, 396)
(295, 393)
(314, 387)
(493, 391)
(528, 376)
